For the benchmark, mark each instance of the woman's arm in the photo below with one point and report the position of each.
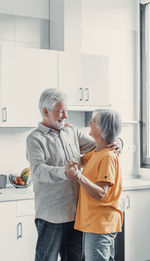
(97, 191)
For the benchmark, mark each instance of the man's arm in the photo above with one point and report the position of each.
(117, 146)
(86, 142)
(40, 170)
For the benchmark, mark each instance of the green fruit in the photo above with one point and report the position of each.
(25, 174)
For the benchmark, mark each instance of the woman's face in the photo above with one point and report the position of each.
(94, 130)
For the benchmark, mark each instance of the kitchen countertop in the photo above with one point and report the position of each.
(135, 183)
(10, 193)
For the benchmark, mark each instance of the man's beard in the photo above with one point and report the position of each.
(58, 125)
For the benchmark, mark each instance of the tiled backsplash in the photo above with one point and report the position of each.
(24, 31)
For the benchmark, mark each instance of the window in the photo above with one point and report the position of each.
(145, 83)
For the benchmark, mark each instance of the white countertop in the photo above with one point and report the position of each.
(10, 193)
(135, 183)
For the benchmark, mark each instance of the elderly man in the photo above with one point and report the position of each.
(49, 148)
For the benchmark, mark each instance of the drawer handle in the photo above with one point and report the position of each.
(19, 230)
(87, 94)
(4, 114)
(128, 202)
(81, 92)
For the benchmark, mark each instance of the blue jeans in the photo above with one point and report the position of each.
(54, 239)
(99, 247)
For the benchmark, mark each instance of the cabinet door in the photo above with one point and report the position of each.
(26, 238)
(25, 73)
(95, 80)
(7, 231)
(84, 78)
(137, 229)
(70, 72)
(25, 230)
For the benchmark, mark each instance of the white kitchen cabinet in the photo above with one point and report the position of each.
(84, 77)
(26, 238)
(24, 74)
(70, 75)
(8, 231)
(137, 228)
(18, 232)
(26, 230)
(95, 79)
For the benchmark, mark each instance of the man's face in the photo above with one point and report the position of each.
(57, 116)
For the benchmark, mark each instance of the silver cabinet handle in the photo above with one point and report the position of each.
(87, 94)
(19, 230)
(128, 202)
(81, 94)
(4, 114)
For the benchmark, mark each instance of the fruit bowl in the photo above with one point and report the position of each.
(12, 177)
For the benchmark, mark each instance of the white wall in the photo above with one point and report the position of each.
(12, 150)
(31, 8)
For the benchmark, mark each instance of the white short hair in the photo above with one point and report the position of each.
(49, 98)
(109, 122)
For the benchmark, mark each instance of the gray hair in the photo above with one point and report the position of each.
(49, 98)
(109, 122)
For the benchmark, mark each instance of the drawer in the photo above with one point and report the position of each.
(7, 208)
(25, 208)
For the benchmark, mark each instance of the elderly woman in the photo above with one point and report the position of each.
(99, 213)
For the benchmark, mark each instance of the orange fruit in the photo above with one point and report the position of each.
(21, 183)
(15, 181)
(19, 178)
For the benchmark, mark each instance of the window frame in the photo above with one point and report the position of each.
(144, 89)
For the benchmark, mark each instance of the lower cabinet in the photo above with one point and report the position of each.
(136, 225)
(8, 246)
(17, 230)
(26, 236)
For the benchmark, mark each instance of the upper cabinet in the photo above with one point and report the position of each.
(85, 79)
(24, 74)
(70, 77)
(95, 80)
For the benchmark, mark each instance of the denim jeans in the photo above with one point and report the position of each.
(99, 247)
(54, 239)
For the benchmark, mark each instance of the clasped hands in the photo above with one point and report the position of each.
(72, 171)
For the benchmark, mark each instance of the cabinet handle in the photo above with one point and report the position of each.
(4, 114)
(87, 94)
(19, 230)
(81, 94)
(128, 202)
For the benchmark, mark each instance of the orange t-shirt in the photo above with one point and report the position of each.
(103, 216)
